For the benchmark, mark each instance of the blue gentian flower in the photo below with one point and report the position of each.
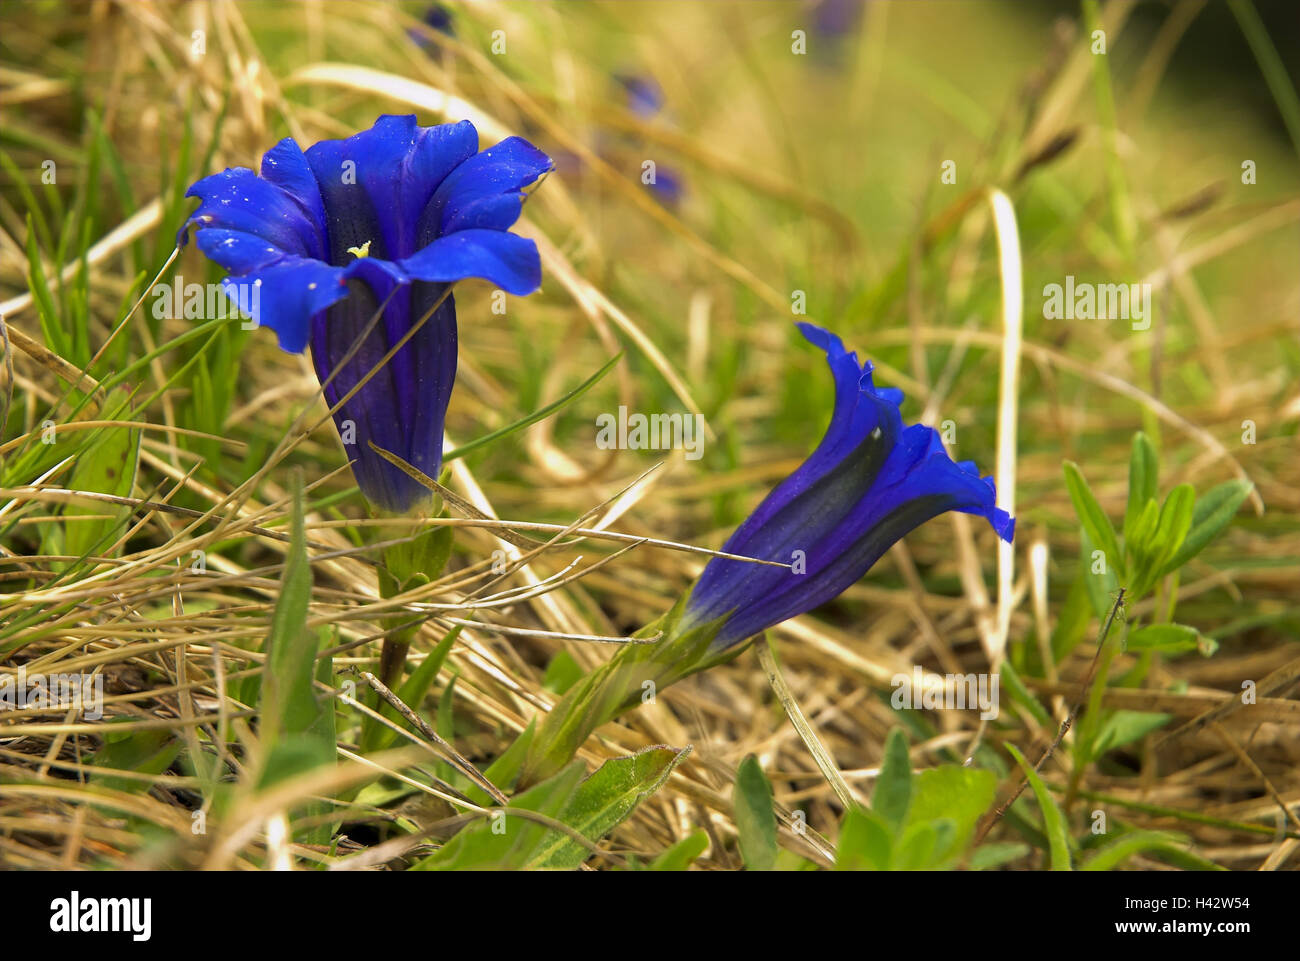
(388, 218)
(645, 98)
(834, 18)
(667, 187)
(869, 482)
(437, 17)
(644, 95)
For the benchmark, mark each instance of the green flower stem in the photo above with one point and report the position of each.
(407, 565)
(395, 647)
(618, 686)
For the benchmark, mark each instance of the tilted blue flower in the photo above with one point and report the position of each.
(385, 220)
(646, 99)
(869, 482)
(644, 95)
(667, 187)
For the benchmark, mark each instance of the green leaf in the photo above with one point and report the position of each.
(444, 723)
(1143, 472)
(141, 752)
(1073, 619)
(893, 791)
(917, 845)
(289, 708)
(681, 855)
(787, 860)
(1136, 842)
(956, 794)
(1021, 694)
(288, 703)
(1175, 520)
(1124, 727)
(1053, 819)
(505, 770)
(507, 841)
(56, 339)
(1167, 638)
(606, 799)
(866, 842)
(995, 855)
(533, 418)
(1092, 517)
(1101, 587)
(417, 685)
(1144, 529)
(106, 466)
(445, 719)
(562, 673)
(1213, 512)
(294, 750)
(1186, 859)
(592, 808)
(755, 816)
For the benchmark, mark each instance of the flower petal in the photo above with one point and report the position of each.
(501, 171)
(376, 184)
(286, 295)
(401, 403)
(507, 260)
(869, 482)
(237, 199)
(931, 486)
(285, 165)
(238, 252)
(802, 523)
(859, 410)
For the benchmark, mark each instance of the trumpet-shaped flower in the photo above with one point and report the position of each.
(352, 246)
(869, 482)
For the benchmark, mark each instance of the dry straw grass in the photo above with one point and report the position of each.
(679, 293)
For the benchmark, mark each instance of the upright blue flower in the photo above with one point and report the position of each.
(437, 17)
(385, 220)
(869, 482)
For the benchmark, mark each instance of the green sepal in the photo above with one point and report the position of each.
(423, 556)
(634, 675)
